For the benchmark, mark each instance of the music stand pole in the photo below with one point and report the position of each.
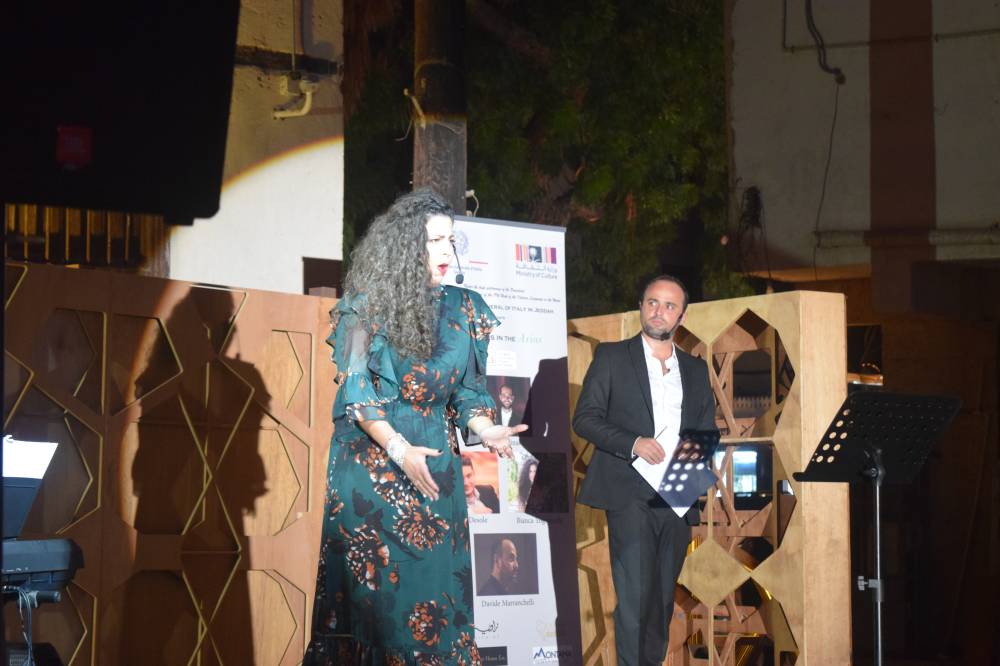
(876, 472)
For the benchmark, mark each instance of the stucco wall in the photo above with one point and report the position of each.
(284, 179)
(782, 109)
(782, 106)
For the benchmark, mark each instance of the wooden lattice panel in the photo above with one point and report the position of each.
(768, 573)
(193, 432)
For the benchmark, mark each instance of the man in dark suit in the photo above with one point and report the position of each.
(508, 415)
(637, 396)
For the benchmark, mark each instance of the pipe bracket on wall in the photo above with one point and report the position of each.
(301, 88)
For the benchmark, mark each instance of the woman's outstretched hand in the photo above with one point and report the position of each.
(415, 467)
(496, 438)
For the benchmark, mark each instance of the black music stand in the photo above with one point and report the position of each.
(689, 473)
(879, 438)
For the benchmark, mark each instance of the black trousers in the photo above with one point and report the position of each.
(648, 543)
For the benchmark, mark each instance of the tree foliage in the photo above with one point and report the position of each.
(606, 117)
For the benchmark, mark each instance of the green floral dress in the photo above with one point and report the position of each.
(395, 578)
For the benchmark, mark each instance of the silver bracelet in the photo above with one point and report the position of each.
(396, 448)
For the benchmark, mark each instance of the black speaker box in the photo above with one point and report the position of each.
(116, 105)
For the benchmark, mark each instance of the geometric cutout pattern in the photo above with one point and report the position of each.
(84, 607)
(156, 606)
(209, 576)
(751, 508)
(751, 376)
(69, 491)
(68, 350)
(272, 622)
(15, 382)
(256, 460)
(299, 403)
(62, 349)
(771, 577)
(776, 626)
(141, 359)
(690, 343)
(13, 274)
(752, 550)
(204, 550)
(212, 530)
(166, 475)
(752, 505)
(284, 374)
(710, 573)
(216, 310)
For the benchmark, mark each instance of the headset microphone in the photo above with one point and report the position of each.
(459, 277)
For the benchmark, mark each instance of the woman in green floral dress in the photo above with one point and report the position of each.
(394, 584)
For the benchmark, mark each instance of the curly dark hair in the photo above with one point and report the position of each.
(389, 267)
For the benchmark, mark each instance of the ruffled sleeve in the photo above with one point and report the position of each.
(364, 366)
(471, 398)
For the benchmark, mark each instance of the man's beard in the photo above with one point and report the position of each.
(658, 335)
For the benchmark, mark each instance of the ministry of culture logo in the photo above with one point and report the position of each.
(536, 253)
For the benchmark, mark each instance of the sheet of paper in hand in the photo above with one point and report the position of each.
(685, 477)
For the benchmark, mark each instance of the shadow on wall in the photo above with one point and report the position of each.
(195, 475)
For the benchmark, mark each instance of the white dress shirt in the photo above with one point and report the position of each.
(667, 393)
(505, 415)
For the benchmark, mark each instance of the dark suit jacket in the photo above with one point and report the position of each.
(489, 498)
(616, 406)
(492, 587)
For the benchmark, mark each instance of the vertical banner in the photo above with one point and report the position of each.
(521, 509)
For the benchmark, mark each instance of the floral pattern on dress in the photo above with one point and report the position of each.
(397, 490)
(422, 389)
(465, 645)
(367, 555)
(427, 621)
(334, 505)
(428, 659)
(420, 527)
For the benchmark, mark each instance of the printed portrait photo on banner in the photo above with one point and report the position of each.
(506, 564)
(511, 397)
(520, 481)
(481, 482)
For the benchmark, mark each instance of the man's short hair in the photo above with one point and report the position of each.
(663, 277)
(467, 462)
(498, 546)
